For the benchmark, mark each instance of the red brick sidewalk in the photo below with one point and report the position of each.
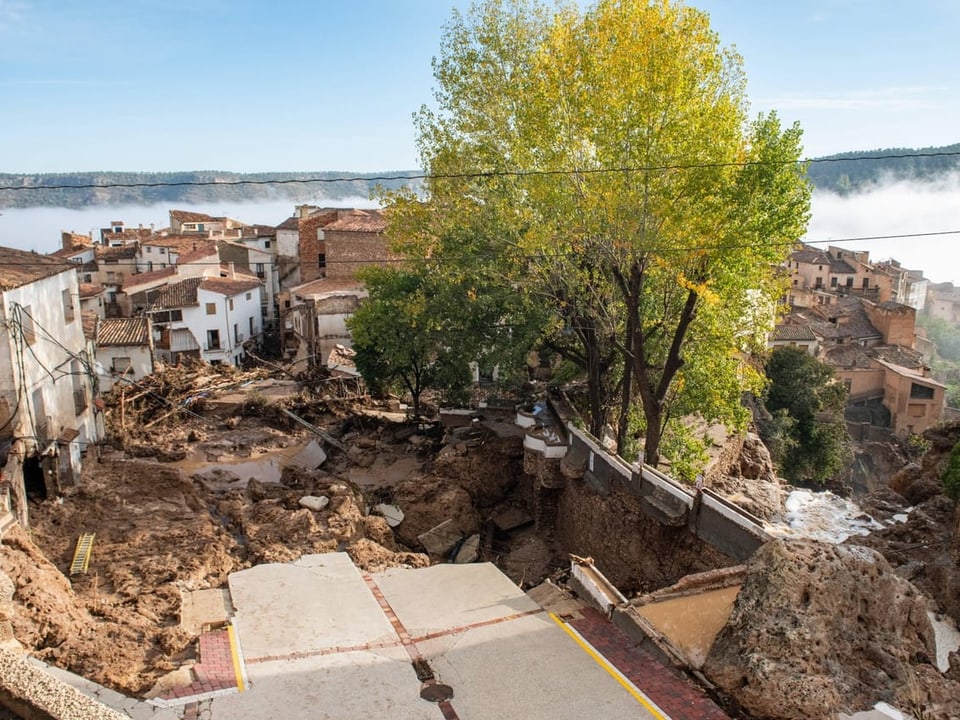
(215, 670)
(672, 692)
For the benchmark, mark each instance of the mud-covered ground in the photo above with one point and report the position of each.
(186, 522)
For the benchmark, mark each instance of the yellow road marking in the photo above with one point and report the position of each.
(235, 655)
(611, 670)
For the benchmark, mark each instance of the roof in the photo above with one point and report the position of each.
(323, 286)
(259, 231)
(291, 223)
(90, 290)
(816, 256)
(915, 375)
(123, 331)
(245, 273)
(71, 252)
(207, 250)
(175, 295)
(180, 243)
(22, 267)
(358, 221)
(124, 252)
(89, 321)
(793, 332)
(185, 216)
(147, 278)
(228, 287)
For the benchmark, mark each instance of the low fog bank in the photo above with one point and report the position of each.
(39, 228)
(891, 208)
(897, 207)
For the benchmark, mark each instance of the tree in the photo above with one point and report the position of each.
(613, 144)
(807, 435)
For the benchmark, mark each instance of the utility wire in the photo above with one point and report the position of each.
(482, 174)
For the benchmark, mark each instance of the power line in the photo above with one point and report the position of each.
(480, 174)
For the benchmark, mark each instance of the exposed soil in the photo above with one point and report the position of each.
(166, 523)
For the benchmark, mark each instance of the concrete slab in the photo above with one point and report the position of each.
(527, 668)
(201, 609)
(447, 596)
(303, 608)
(310, 458)
(364, 684)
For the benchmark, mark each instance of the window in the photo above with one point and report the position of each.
(120, 364)
(231, 303)
(261, 271)
(818, 283)
(87, 277)
(795, 281)
(849, 282)
(26, 325)
(249, 295)
(200, 227)
(149, 265)
(266, 244)
(866, 283)
(213, 339)
(176, 315)
(322, 260)
(833, 282)
(251, 325)
(162, 251)
(211, 308)
(67, 305)
(111, 276)
(149, 249)
(920, 392)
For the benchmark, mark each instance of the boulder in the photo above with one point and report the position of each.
(314, 502)
(818, 629)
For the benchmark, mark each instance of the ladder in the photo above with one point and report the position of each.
(81, 556)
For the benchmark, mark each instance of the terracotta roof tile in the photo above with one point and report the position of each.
(123, 331)
(125, 252)
(89, 321)
(291, 223)
(228, 287)
(175, 295)
(793, 332)
(21, 267)
(90, 290)
(147, 278)
(203, 252)
(185, 216)
(358, 221)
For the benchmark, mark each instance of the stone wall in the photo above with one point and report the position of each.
(348, 252)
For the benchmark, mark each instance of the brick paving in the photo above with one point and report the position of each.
(677, 696)
(214, 671)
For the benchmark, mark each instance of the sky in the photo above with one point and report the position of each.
(251, 85)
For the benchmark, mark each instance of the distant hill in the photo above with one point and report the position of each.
(847, 172)
(842, 173)
(179, 188)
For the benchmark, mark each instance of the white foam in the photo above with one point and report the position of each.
(822, 516)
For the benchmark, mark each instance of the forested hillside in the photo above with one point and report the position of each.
(848, 172)
(842, 173)
(176, 188)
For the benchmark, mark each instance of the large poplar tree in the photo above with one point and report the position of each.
(637, 201)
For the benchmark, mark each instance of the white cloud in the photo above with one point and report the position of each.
(917, 97)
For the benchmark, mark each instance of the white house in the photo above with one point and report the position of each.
(209, 318)
(124, 350)
(251, 254)
(46, 376)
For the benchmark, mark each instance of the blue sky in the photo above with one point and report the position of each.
(250, 85)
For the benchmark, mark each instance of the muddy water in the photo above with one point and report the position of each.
(692, 623)
(228, 472)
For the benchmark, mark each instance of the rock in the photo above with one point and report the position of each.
(469, 551)
(311, 457)
(391, 513)
(439, 540)
(819, 629)
(314, 502)
(7, 588)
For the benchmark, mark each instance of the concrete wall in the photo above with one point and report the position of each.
(610, 509)
(141, 364)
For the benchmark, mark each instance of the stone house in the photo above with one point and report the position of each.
(124, 350)
(315, 318)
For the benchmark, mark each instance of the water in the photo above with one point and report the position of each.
(822, 516)
(230, 472)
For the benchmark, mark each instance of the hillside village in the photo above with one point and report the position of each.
(162, 343)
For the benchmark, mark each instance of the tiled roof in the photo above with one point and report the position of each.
(185, 216)
(90, 290)
(123, 331)
(358, 221)
(21, 267)
(291, 223)
(89, 321)
(259, 231)
(65, 253)
(793, 332)
(816, 256)
(205, 251)
(126, 252)
(912, 373)
(228, 287)
(175, 295)
(146, 278)
(321, 286)
(127, 235)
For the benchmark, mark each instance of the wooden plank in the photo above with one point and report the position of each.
(315, 430)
